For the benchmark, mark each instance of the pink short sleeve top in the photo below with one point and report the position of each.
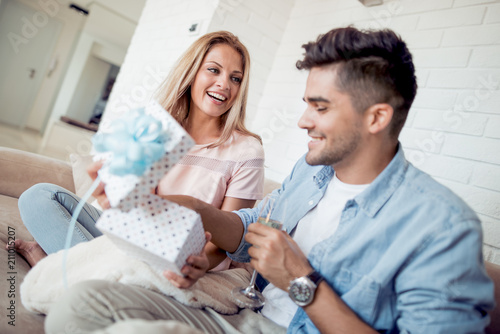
(233, 169)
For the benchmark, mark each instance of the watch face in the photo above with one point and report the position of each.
(301, 292)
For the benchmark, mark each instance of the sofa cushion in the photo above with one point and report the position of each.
(21, 170)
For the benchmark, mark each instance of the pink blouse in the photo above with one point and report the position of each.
(233, 169)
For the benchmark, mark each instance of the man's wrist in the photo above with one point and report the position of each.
(302, 290)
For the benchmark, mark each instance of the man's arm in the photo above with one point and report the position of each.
(444, 288)
(279, 259)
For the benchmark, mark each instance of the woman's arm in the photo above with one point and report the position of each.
(215, 254)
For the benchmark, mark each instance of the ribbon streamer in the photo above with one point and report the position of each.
(72, 225)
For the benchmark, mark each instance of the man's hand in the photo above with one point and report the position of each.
(275, 255)
(99, 193)
(196, 267)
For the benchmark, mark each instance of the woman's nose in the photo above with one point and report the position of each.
(223, 82)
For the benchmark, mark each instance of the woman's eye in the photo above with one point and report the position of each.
(213, 70)
(236, 79)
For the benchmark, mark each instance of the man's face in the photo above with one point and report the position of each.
(330, 120)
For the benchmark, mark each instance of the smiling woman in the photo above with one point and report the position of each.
(206, 92)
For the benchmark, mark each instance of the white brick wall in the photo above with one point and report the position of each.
(453, 130)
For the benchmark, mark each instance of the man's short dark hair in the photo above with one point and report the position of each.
(373, 67)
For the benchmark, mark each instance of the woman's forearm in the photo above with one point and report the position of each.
(226, 227)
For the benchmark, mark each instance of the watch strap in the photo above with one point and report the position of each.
(315, 277)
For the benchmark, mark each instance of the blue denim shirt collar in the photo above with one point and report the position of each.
(323, 176)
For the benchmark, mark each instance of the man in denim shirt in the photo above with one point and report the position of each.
(376, 244)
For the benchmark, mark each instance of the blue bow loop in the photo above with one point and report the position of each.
(136, 142)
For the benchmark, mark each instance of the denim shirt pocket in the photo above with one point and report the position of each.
(359, 292)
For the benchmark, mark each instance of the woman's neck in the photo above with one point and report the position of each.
(203, 128)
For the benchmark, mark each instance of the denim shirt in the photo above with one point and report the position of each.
(406, 257)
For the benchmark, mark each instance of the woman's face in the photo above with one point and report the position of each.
(217, 82)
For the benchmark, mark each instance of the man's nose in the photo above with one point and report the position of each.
(305, 121)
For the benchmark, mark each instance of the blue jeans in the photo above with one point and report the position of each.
(46, 211)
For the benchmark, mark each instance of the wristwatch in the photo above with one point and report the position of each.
(302, 289)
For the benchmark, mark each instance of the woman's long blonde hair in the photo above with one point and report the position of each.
(174, 94)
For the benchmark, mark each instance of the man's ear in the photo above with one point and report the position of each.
(379, 117)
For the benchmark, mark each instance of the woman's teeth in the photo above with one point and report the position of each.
(217, 96)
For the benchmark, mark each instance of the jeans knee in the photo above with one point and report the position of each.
(36, 194)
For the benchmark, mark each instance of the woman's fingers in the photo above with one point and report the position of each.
(196, 266)
(99, 193)
(93, 168)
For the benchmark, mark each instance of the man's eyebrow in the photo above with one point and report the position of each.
(216, 63)
(315, 99)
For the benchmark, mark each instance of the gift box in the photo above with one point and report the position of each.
(144, 225)
(159, 232)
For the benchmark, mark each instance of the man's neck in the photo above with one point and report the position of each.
(365, 167)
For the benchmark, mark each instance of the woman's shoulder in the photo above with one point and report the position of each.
(239, 138)
(248, 146)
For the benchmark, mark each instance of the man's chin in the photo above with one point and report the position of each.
(311, 160)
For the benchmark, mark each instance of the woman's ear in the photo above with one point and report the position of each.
(379, 117)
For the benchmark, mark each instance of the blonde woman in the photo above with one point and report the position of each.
(206, 92)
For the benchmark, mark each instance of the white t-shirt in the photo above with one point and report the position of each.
(317, 225)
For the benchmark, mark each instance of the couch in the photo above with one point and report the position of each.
(20, 170)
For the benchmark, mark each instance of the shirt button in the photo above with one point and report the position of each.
(311, 202)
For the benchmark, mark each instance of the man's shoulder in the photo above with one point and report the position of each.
(422, 190)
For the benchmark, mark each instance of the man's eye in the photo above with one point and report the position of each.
(320, 109)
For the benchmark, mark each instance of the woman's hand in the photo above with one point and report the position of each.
(99, 193)
(196, 267)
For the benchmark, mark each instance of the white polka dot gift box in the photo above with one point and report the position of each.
(138, 150)
(159, 232)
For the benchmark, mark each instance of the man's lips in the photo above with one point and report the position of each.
(315, 141)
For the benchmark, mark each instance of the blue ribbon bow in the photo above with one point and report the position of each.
(136, 140)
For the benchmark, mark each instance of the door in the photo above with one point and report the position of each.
(27, 40)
